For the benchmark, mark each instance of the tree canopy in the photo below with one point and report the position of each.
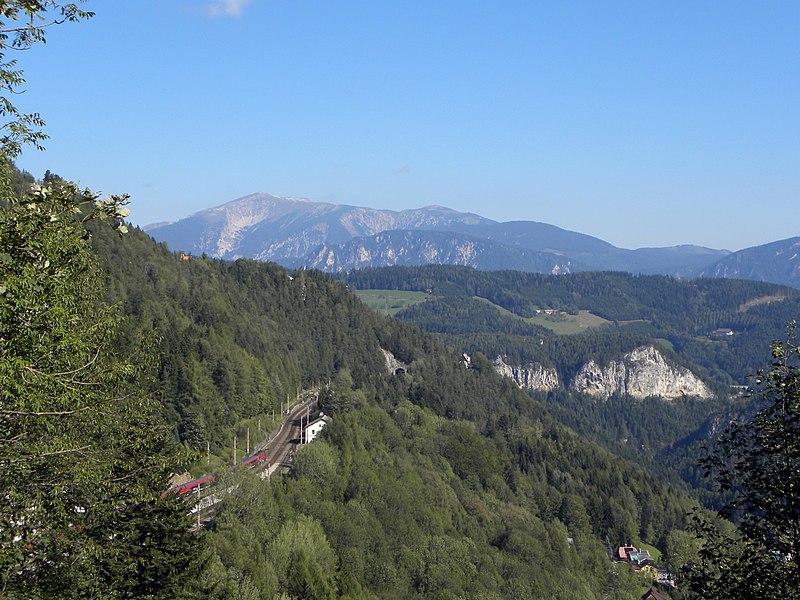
(756, 464)
(84, 455)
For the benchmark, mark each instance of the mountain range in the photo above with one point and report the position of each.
(333, 237)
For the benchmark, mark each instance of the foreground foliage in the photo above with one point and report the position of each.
(83, 453)
(84, 456)
(757, 464)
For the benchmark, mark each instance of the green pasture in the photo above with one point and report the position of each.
(390, 302)
(561, 323)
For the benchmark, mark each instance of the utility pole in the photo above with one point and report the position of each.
(301, 429)
(208, 452)
(248, 441)
(234, 449)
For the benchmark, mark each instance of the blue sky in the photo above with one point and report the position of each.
(642, 123)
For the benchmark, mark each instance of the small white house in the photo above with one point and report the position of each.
(313, 429)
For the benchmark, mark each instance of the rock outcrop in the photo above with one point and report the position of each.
(640, 373)
(394, 366)
(532, 376)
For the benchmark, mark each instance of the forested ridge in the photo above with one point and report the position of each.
(450, 467)
(234, 339)
(679, 317)
(685, 313)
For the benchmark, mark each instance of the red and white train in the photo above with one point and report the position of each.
(196, 485)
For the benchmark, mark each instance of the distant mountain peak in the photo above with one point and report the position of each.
(297, 232)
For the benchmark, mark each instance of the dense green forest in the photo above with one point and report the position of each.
(684, 314)
(234, 339)
(441, 482)
(499, 314)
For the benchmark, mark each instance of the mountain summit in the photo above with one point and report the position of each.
(297, 232)
(287, 230)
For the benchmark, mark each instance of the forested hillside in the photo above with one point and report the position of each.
(234, 339)
(693, 316)
(441, 482)
(720, 329)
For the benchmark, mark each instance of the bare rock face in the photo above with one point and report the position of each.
(532, 376)
(393, 366)
(640, 373)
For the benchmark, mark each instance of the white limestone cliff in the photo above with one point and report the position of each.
(532, 376)
(640, 373)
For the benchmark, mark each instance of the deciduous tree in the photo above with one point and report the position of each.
(757, 465)
(83, 456)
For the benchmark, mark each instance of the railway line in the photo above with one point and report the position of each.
(281, 446)
(273, 456)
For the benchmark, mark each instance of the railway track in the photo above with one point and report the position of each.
(279, 448)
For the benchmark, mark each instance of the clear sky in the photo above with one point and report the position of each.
(642, 123)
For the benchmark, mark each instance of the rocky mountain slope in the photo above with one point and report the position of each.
(412, 248)
(531, 376)
(333, 237)
(288, 230)
(640, 373)
(777, 262)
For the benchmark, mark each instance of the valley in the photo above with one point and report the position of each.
(288, 399)
(432, 479)
(459, 437)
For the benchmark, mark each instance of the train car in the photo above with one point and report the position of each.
(192, 487)
(198, 484)
(255, 460)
